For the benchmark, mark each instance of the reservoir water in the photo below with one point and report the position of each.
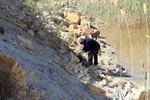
(120, 38)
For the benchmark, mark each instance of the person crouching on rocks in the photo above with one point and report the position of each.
(91, 46)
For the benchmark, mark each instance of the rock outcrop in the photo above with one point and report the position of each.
(13, 84)
(142, 95)
(72, 17)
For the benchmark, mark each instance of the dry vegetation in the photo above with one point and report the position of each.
(109, 10)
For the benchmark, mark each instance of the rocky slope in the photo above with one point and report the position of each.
(45, 67)
(51, 67)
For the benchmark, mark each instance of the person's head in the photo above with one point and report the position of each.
(81, 41)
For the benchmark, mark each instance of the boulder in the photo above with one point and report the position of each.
(65, 68)
(66, 29)
(72, 17)
(95, 90)
(20, 26)
(74, 58)
(62, 41)
(73, 26)
(142, 95)
(103, 82)
(41, 33)
(77, 32)
(82, 17)
(13, 84)
(25, 42)
(89, 31)
(12, 77)
(35, 26)
(137, 92)
(31, 33)
(83, 23)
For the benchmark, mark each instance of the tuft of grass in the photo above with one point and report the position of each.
(121, 96)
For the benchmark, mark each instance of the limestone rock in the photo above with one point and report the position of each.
(89, 31)
(65, 28)
(142, 95)
(74, 58)
(61, 20)
(82, 17)
(12, 75)
(20, 26)
(63, 33)
(47, 43)
(72, 17)
(25, 42)
(41, 33)
(13, 82)
(31, 33)
(103, 82)
(83, 23)
(95, 90)
(62, 41)
(65, 68)
(137, 93)
(35, 26)
(77, 32)
(73, 26)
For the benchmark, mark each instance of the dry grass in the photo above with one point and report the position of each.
(106, 10)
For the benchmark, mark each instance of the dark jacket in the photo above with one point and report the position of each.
(90, 44)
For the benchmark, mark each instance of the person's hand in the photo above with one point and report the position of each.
(80, 52)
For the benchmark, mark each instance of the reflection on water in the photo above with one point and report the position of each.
(139, 45)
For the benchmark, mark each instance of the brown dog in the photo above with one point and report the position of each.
(95, 35)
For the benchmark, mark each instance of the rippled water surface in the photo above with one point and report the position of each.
(117, 36)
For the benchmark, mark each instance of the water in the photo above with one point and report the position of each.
(139, 47)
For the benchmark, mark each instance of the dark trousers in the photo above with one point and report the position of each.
(94, 53)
